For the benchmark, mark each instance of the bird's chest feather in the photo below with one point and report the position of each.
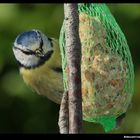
(45, 82)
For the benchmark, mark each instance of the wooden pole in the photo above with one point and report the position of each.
(73, 54)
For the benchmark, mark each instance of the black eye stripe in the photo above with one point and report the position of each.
(29, 52)
(42, 60)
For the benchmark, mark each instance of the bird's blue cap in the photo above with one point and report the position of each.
(27, 38)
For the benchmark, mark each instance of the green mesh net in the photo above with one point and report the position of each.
(106, 66)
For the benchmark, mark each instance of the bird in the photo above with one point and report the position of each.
(106, 95)
(39, 63)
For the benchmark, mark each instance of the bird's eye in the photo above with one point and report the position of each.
(39, 53)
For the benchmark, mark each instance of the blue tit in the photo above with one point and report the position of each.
(39, 60)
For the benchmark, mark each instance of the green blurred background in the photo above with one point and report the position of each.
(23, 111)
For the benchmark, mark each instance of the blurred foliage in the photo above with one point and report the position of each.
(23, 111)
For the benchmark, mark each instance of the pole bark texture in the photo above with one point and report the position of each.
(73, 54)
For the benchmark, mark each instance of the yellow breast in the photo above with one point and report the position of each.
(44, 81)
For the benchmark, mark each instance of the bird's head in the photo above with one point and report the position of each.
(32, 48)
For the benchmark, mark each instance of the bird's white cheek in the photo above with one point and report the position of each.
(24, 59)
